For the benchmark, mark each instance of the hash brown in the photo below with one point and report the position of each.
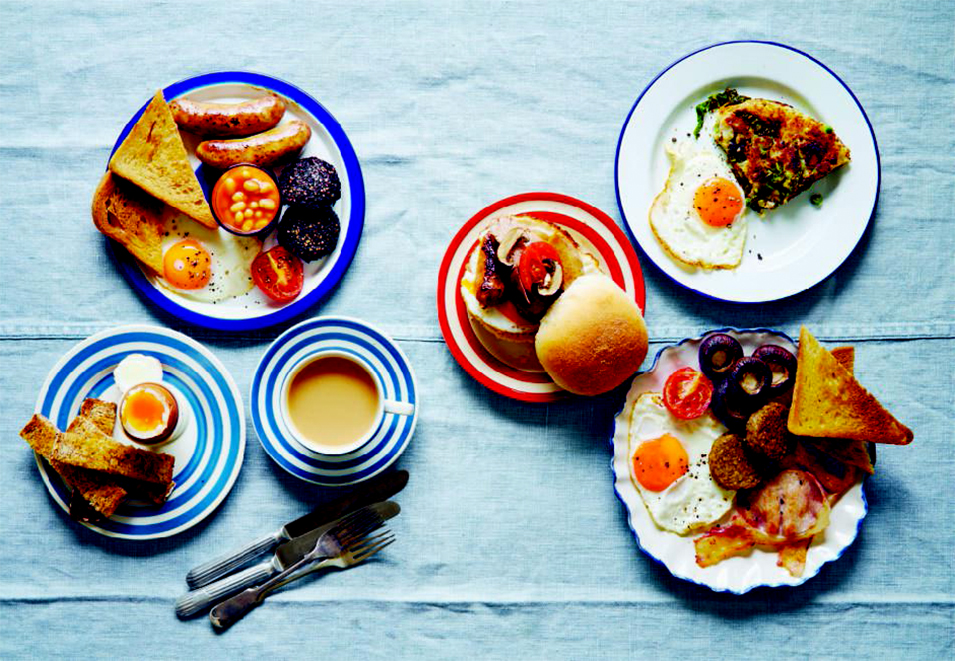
(775, 151)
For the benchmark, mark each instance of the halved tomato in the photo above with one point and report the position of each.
(687, 393)
(279, 274)
(531, 268)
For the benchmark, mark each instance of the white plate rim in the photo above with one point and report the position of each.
(672, 271)
(620, 425)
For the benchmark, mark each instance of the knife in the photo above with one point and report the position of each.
(286, 555)
(376, 489)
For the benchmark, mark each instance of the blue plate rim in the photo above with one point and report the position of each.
(228, 478)
(626, 122)
(130, 266)
(636, 536)
(295, 330)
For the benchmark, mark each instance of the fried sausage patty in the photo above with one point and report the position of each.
(767, 433)
(730, 466)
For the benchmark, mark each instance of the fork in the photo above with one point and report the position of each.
(357, 550)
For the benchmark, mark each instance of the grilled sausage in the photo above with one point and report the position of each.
(491, 289)
(263, 149)
(228, 120)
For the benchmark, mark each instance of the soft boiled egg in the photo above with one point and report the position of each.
(206, 264)
(698, 217)
(149, 413)
(670, 469)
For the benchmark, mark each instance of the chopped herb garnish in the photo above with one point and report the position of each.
(729, 96)
(815, 199)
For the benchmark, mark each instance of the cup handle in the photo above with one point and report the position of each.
(400, 408)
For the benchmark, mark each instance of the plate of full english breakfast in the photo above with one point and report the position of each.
(541, 295)
(233, 201)
(747, 171)
(740, 457)
(138, 432)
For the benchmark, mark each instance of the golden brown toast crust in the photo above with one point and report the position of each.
(848, 451)
(828, 402)
(154, 158)
(40, 434)
(128, 215)
(96, 488)
(88, 447)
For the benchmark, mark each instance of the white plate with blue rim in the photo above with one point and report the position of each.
(329, 142)
(738, 574)
(209, 452)
(789, 249)
(367, 345)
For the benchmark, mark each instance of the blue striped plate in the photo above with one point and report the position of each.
(208, 455)
(350, 336)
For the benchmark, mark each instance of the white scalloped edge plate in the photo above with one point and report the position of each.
(742, 573)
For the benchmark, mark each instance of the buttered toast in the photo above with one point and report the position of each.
(828, 402)
(130, 216)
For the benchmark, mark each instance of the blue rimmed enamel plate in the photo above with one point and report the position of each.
(738, 574)
(328, 142)
(374, 348)
(791, 248)
(208, 454)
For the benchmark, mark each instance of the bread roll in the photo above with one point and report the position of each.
(593, 337)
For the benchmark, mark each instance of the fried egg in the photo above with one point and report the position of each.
(698, 217)
(205, 264)
(669, 466)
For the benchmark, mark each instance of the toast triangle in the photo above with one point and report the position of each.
(154, 158)
(828, 402)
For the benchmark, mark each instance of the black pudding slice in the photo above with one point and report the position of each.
(307, 233)
(310, 182)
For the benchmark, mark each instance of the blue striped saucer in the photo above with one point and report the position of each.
(348, 336)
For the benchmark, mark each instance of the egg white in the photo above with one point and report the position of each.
(676, 223)
(232, 256)
(694, 500)
(137, 368)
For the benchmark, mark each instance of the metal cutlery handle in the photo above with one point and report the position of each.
(215, 569)
(202, 598)
(230, 611)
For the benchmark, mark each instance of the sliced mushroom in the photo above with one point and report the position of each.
(512, 239)
(553, 281)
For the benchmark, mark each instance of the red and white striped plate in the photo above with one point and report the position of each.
(594, 230)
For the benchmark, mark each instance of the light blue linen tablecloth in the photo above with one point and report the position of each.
(511, 542)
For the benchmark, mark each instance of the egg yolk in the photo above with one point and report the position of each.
(187, 265)
(718, 202)
(659, 463)
(143, 410)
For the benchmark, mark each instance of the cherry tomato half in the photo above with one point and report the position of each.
(687, 393)
(278, 273)
(531, 268)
